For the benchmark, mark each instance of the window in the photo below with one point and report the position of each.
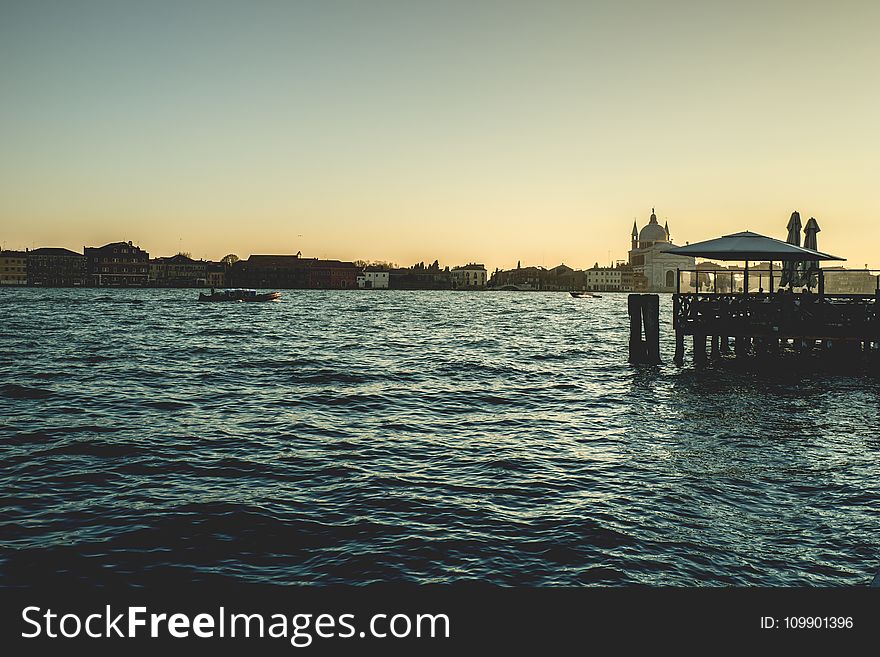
(670, 278)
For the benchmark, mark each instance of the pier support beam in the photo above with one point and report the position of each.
(716, 348)
(741, 345)
(725, 345)
(700, 349)
(644, 309)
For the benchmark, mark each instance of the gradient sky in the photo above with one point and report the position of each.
(458, 130)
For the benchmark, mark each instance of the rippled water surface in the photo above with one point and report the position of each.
(415, 436)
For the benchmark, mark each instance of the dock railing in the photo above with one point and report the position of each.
(825, 282)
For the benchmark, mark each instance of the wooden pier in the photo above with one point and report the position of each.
(762, 323)
(842, 316)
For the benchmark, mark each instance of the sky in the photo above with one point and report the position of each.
(406, 131)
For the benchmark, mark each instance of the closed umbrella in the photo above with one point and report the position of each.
(810, 267)
(790, 271)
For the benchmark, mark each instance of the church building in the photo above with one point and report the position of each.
(648, 256)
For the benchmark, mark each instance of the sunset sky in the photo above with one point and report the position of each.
(459, 130)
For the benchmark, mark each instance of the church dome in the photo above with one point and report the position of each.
(653, 232)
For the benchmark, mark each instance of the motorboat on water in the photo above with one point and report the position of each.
(584, 295)
(239, 295)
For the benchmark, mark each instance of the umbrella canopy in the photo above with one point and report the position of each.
(750, 246)
(790, 271)
(810, 266)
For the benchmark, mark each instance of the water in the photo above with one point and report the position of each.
(414, 436)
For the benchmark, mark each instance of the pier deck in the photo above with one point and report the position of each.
(764, 321)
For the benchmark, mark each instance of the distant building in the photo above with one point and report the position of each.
(559, 278)
(470, 276)
(117, 264)
(839, 280)
(420, 277)
(521, 278)
(178, 271)
(55, 267)
(374, 278)
(604, 279)
(13, 268)
(333, 275)
(648, 256)
(293, 272)
(270, 271)
(215, 273)
(630, 281)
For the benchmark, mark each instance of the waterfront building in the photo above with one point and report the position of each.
(13, 268)
(374, 278)
(619, 278)
(851, 281)
(215, 273)
(560, 278)
(470, 276)
(420, 277)
(270, 271)
(178, 271)
(117, 264)
(333, 275)
(293, 272)
(56, 267)
(521, 278)
(648, 256)
(605, 279)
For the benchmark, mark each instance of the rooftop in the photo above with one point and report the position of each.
(54, 251)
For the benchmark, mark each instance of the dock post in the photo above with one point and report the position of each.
(716, 348)
(741, 345)
(725, 345)
(637, 349)
(679, 347)
(679, 333)
(644, 308)
(651, 318)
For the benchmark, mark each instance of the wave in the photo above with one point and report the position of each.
(15, 391)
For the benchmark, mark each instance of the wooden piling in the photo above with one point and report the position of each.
(678, 359)
(651, 319)
(699, 348)
(644, 310)
(716, 349)
(637, 351)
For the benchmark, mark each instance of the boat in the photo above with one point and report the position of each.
(584, 295)
(239, 295)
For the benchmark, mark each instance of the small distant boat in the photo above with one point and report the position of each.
(584, 295)
(239, 295)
